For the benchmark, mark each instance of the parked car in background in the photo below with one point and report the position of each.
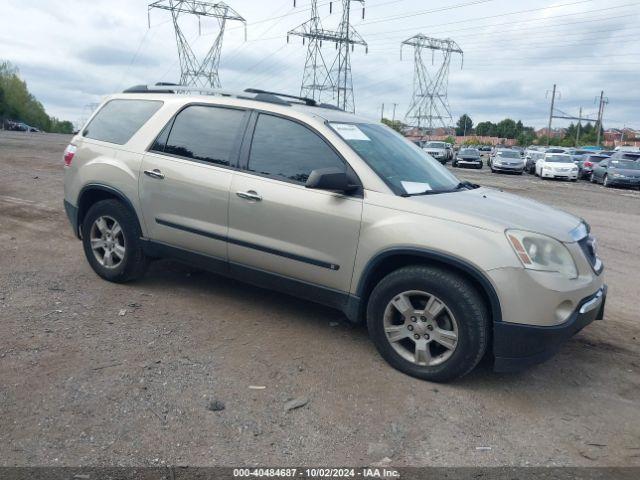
(625, 155)
(557, 165)
(556, 150)
(437, 150)
(606, 153)
(578, 155)
(484, 149)
(530, 160)
(507, 161)
(468, 157)
(613, 172)
(588, 164)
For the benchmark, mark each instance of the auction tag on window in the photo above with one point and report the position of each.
(349, 132)
(415, 187)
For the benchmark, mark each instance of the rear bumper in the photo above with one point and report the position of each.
(72, 215)
(517, 346)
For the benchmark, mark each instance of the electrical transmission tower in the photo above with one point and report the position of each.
(192, 72)
(331, 84)
(429, 107)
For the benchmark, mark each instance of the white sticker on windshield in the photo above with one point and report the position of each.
(415, 187)
(349, 132)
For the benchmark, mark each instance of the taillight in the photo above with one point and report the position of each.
(69, 153)
(587, 164)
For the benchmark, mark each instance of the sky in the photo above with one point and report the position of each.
(73, 53)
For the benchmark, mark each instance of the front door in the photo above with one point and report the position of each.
(278, 225)
(185, 179)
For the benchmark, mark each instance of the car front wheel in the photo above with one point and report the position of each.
(428, 322)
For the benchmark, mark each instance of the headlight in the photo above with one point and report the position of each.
(542, 253)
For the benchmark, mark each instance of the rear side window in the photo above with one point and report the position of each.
(118, 120)
(208, 134)
(283, 148)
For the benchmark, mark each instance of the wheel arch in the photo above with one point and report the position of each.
(389, 260)
(95, 192)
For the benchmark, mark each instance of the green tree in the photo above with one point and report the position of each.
(464, 125)
(397, 125)
(486, 129)
(450, 139)
(507, 129)
(16, 103)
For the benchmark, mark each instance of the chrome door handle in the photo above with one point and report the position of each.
(155, 173)
(250, 195)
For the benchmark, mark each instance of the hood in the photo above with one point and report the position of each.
(495, 210)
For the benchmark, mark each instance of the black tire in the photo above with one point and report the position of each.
(462, 299)
(134, 263)
(605, 181)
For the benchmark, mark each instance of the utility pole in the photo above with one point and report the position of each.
(579, 125)
(429, 103)
(382, 112)
(553, 101)
(602, 103)
(393, 118)
(192, 72)
(332, 83)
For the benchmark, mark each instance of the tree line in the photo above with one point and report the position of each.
(516, 130)
(18, 104)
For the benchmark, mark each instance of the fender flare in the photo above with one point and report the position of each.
(443, 258)
(91, 187)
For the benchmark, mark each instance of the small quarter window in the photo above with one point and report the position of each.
(118, 120)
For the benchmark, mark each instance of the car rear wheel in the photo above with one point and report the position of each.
(605, 181)
(428, 322)
(111, 240)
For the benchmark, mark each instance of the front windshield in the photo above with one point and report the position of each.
(557, 159)
(469, 152)
(509, 154)
(625, 164)
(406, 168)
(435, 145)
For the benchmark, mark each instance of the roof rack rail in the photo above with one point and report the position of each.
(307, 101)
(248, 94)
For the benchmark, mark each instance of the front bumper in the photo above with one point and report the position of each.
(517, 346)
(623, 182)
(474, 163)
(508, 168)
(571, 175)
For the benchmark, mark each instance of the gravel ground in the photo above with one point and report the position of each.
(81, 384)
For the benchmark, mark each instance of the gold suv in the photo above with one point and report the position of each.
(285, 193)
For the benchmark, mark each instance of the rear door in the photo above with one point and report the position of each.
(185, 179)
(278, 225)
(600, 169)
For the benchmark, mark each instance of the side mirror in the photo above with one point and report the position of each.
(330, 179)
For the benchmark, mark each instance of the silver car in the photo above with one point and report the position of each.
(283, 193)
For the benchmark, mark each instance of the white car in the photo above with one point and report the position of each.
(437, 150)
(557, 165)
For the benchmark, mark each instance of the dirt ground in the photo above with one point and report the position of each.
(81, 384)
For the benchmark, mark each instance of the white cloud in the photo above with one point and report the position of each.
(74, 52)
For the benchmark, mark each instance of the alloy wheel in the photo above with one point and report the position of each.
(107, 241)
(421, 328)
